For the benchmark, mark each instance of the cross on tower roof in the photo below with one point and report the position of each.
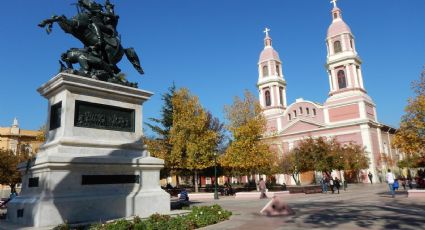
(334, 2)
(266, 31)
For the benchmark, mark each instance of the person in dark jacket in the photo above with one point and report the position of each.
(337, 183)
(184, 198)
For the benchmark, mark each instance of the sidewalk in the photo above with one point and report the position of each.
(362, 206)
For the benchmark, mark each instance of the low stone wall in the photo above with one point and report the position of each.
(415, 193)
(199, 196)
(307, 189)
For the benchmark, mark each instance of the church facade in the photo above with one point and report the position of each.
(349, 114)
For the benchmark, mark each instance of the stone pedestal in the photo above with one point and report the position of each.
(93, 166)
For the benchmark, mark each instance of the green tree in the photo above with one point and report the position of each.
(162, 126)
(192, 139)
(323, 155)
(355, 158)
(159, 146)
(294, 163)
(9, 173)
(247, 152)
(410, 137)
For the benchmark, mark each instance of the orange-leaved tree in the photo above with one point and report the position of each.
(410, 137)
(247, 152)
(193, 140)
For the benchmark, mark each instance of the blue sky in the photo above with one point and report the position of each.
(212, 48)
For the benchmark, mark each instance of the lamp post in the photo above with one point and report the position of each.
(215, 177)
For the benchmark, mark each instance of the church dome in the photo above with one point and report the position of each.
(269, 53)
(338, 27)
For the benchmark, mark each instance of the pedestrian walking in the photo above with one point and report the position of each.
(390, 181)
(331, 184)
(262, 186)
(325, 184)
(370, 177)
(322, 184)
(395, 185)
(409, 182)
(403, 183)
(337, 183)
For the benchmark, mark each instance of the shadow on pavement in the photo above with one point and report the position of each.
(398, 193)
(387, 215)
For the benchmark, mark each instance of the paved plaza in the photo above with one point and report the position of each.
(362, 206)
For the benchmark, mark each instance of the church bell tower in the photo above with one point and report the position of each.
(271, 83)
(344, 71)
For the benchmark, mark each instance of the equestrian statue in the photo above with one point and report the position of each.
(95, 26)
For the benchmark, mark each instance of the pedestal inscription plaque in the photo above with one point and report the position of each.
(99, 116)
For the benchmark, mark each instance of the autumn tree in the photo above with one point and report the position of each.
(247, 152)
(9, 173)
(41, 136)
(192, 138)
(410, 137)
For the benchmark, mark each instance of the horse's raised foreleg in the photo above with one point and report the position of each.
(131, 55)
(49, 22)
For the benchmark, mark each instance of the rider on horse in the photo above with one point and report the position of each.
(96, 29)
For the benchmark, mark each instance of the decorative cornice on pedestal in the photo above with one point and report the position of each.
(85, 85)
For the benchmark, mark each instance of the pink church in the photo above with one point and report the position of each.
(349, 113)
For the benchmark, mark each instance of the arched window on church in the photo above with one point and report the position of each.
(289, 117)
(342, 82)
(314, 112)
(267, 97)
(337, 47)
(265, 71)
(277, 70)
(307, 110)
(281, 95)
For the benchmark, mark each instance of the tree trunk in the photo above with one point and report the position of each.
(175, 173)
(196, 181)
(253, 176)
(296, 177)
(12, 188)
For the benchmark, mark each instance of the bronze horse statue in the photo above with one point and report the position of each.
(96, 29)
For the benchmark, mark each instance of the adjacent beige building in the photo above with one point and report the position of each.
(19, 140)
